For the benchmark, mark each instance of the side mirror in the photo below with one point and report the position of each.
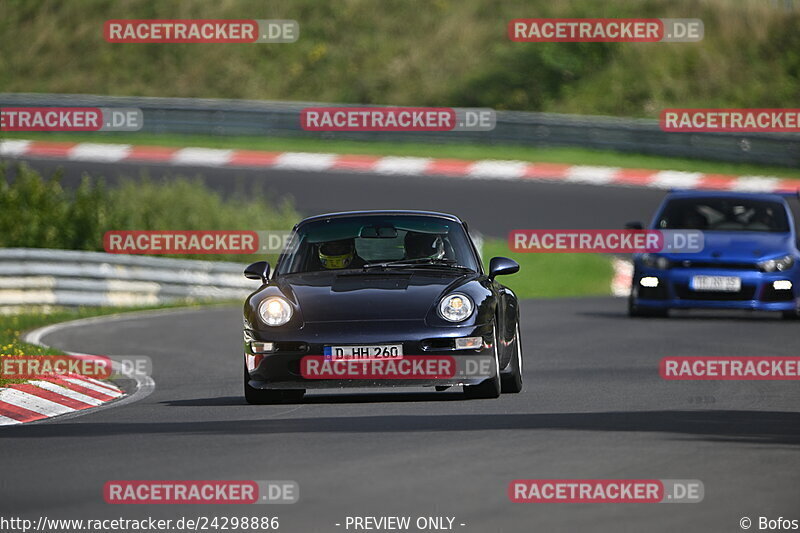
(634, 225)
(258, 270)
(499, 266)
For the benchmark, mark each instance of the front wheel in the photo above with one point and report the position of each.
(791, 315)
(635, 311)
(255, 396)
(511, 381)
(491, 387)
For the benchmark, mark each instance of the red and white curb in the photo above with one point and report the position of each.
(73, 395)
(399, 166)
(53, 396)
(623, 277)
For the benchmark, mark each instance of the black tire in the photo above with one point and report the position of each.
(255, 396)
(511, 381)
(634, 311)
(790, 315)
(491, 387)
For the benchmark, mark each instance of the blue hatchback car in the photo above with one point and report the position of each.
(749, 259)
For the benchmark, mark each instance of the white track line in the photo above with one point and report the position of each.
(92, 386)
(497, 169)
(69, 393)
(402, 165)
(673, 179)
(5, 421)
(202, 157)
(407, 166)
(305, 161)
(100, 152)
(33, 403)
(14, 148)
(592, 175)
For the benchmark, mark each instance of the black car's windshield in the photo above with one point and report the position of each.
(371, 241)
(723, 214)
(420, 261)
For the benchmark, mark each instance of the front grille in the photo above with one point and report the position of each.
(291, 347)
(683, 292)
(438, 344)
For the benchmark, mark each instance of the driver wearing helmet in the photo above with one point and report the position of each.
(424, 246)
(335, 255)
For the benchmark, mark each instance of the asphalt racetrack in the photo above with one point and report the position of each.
(594, 406)
(492, 206)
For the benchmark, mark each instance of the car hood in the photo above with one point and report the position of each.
(740, 247)
(373, 295)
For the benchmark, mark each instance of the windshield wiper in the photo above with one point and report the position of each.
(423, 261)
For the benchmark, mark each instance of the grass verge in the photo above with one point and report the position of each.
(571, 156)
(553, 275)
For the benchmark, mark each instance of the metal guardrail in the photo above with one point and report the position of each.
(35, 277)
(264, 118)
(39, 276)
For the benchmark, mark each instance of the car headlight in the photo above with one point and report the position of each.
(456, 307)
(780, 264)
(655, 261)
(275, 311)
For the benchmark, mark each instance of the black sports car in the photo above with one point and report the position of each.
(381, 298)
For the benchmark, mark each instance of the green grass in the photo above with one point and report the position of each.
(553, 275)
(13, 327)
(572, 156)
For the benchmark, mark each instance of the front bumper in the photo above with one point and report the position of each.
(756, 293)
(281, 369)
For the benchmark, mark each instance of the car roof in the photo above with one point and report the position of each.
(345, 214)
(726, 194)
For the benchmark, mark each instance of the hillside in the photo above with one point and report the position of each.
(440, 52)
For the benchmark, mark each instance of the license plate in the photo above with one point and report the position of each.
(716, 284)
(364, 352)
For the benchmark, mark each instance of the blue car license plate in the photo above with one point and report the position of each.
(716, 283)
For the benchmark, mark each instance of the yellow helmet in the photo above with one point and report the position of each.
(336, 254)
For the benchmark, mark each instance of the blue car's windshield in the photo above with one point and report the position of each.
(724, 214)
(340, 243)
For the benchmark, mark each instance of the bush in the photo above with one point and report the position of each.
(37, 212)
